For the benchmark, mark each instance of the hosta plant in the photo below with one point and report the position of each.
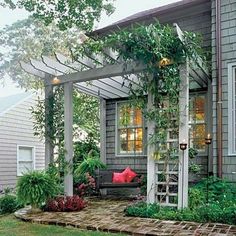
(35, 188)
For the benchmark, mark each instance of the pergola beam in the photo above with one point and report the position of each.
(104, 72)
(31, 70)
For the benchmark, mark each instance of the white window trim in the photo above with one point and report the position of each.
(18, 157)
(117, 154)
(231, 109)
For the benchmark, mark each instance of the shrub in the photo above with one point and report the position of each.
(86, 185)
(142, 209)
(9, 204)
(218, 189)
(89, 165)
(196, 197)
(82, 148)
(74, 203)
(35, 188)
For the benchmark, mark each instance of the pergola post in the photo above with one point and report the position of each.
(49, 148)
(183, 135)
(151, 175)
(103, 130)
(68, 136)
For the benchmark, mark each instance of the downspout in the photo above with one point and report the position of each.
(219, 88)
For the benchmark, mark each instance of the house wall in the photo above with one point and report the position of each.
(16, 128)
(196, 20)
(228, 31)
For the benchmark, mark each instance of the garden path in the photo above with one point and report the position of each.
(108, 216)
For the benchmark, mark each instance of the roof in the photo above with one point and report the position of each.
(151, 14)
(8, 102)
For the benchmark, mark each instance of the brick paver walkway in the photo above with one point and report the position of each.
(108, 216)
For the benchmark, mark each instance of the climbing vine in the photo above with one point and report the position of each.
(160, 49)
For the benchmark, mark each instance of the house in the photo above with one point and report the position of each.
(20, 150)
(215, 20)
(195, 16)
(211, 101)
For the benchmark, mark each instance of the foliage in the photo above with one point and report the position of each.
(85, 185)
(142, 209)
(68, 203)
(9, 204)
(29, 38)
(82, 148)
(196, 198)
(90, 164)
(85, 116)
(159, 48)
(194, 168)
(36, 187)
(213, 212)
(192, 152)
(220, 208)
(219, 190)
(65, 13)
(9, 225)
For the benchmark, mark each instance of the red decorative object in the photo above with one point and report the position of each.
(129, 174)
(118, 177)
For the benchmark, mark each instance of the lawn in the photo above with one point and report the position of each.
(10, 226)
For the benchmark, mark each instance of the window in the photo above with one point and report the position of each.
(197, 122)
(25, 159)
(130, 132)
(232, 108)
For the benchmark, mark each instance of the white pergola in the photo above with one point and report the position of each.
(92, 76)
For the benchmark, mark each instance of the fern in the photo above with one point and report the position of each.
(35, 188)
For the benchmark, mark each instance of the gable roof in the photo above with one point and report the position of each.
(149, 15)
(6, 103)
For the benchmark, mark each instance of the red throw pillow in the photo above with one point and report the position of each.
(129, 174)
(118, 177)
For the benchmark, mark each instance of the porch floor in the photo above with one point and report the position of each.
(108, 216)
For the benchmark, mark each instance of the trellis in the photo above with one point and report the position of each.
(92, 76)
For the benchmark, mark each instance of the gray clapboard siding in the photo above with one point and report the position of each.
(228, 24)
(16, 128)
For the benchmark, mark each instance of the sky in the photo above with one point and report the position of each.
(124, 8)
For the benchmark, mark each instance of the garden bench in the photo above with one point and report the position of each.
(103, 180)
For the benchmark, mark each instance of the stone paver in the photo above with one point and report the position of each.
(108, 216)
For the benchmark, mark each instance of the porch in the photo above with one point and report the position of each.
(113, 81)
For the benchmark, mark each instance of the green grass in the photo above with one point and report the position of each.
(10, 226)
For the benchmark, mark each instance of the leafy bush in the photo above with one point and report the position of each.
(86, 185)
(214, 212)
(9, 204)
(196, 197)
(35, 188)
(220, 208)
(82, 148)
(142, 209)
(74, 203)
(218, 190)
(89, 165)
